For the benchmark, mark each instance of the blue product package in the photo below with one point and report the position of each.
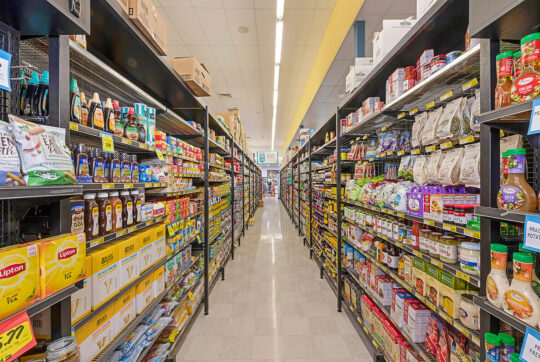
(145, 173)
(150, 126)
(5, 66)
(10, 164)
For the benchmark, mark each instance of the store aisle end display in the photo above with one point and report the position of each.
(118, 214)
(417, 198)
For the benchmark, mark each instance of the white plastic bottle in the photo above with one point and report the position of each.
(497, 281)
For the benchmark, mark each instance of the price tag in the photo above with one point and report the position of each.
(417, 253)
(446, 145)
(470, 84)
(383, 154)
(431, 305)
(107, 142)
(365, 137)
(430, 105)
(401, 115)
(429, 222)
(389, 153)
(449, 227)
(147, 185)
(16, 337)
(400, 214)
(128, 186)
(475, 339)
(121, 233)
(170, 229)
(446, 95)
(401, 153)
(437, 263)
(132, 229)
(359, 320)
(466, 140)
(446, 317)
(532, 233)
(97, 242)
(384, 128)
(127, 141)
(160, 155)
(191, 296)
(463, 276)
(431, 148)
(413, 112)
(534, 124)
(415, 152)
(461, 329)
(107, 186)
(73, 126)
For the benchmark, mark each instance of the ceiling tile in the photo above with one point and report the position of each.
(242, 19)
(291, 57)
(326, 4)
(205, 55)
(215, 26)
(234, 78)
(266, 26)
(254, 93)
(301, 4)
(252, 78)
(265, 4)
(173, 3)
(296, 32)
(238, 4)
(178, 51)
(248, 57)
(266, 57)
(207, 4)
(318, 26)
(238, 93)
(226, 57)
(189, 27)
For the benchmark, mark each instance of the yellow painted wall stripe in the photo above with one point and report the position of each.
(341, 19)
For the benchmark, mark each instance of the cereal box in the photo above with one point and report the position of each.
(81, 300)
(159, 281)
(125, 310)
(95, 335)
(128, 266)
(145, 293)
(104, 277)
(160, 250)
(146, 250)
(19, 278)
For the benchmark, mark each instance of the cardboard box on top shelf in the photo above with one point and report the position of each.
(149, 21)
(422, 6)
(227, 118)
(357, 73)
(194, 74)
(124, 4)
(391, 33)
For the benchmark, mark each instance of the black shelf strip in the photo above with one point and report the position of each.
(122, 186)
(504, 215)
(500, 314)
(30, 192)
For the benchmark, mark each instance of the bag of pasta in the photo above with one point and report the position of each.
(418, 125)
(429, 132)
(450, 167)
(420, 171)
(466, 121)
(433, 164)
(470, 166)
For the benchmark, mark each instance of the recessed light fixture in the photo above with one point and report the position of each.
(243, 29)
(280, 9)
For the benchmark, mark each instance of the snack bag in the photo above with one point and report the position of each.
(45, 158)
(10, 165)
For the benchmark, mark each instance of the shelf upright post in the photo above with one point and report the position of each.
(206, 210)
(59, 116)
(310, 203)
(298, 170)
(338, 198)
(243, 195)
(232, 198)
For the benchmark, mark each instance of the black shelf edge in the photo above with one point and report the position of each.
(122, 186)
(518, 112)
(500, 314)
(505, 215)
(27, 192)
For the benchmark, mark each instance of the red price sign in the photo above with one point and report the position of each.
(16, 337)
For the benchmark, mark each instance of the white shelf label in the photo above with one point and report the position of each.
(534, 124)
(530, 350)
(532, 233)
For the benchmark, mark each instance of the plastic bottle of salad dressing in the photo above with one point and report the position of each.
(497, 281)
(520, 300)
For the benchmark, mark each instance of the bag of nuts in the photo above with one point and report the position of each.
(10, 165)
(45, 158)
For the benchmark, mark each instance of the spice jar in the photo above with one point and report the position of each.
(64, 349)
(434, 244)
(409, 78)
(448, 249)
(137, 206)
(91, 216)
(448, 213)
(527, 85)
(425, 240)
(504, 63)
(116, 205)
(105, 213)
(127, 209)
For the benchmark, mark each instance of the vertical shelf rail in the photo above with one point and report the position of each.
(338, 198)
(206, 209)
(243, 195)
(310, 201)
(299, 175)
(232, 198)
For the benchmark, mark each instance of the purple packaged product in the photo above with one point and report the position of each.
(415, 201)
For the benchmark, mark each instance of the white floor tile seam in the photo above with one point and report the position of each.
(272, 304)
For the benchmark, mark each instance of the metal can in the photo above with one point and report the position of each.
(438, 63)
(450, 57)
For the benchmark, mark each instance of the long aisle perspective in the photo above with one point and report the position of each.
(273, 303)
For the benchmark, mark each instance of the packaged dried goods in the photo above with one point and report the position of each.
(450, 167)
(433, 164)
(470, 166)
(429, 132)
(417, 129)
(466, 121)
(475, 111)
(10, 165)
(450, 121)
(420, 170)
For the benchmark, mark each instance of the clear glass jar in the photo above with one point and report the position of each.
(434, 244)
(425, 237)
(448, 249)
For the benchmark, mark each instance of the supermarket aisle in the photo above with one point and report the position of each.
(272, 305)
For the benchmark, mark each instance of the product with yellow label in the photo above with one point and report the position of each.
(145, 293)
(160, 248)
(95, 335)
(61, 262)
(125, 310)
(159, 281)
(128, 253)
(81, 300)
(19, 278)
(147, 250)
(104, 277)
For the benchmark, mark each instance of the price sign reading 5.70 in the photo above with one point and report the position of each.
(16, 337)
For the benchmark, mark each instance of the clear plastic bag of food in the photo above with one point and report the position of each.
(420, 170)
(417, 129)
(10, 164)
(404, 142)
(429, 132)
(466, 121)
(403, 166)
(450, 167)
(387, 142)
(433, 165)
(470, 166)
(450, 121)
(475, 111)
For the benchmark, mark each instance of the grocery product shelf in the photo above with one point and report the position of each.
(501, 214)
(30, 192)
(500, 314)
(122, 186)
(181, 337)
(515, 113)
(186, 192)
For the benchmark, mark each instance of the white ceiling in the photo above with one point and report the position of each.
(242, 64)
(332, 90)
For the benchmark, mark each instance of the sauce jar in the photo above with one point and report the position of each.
(527, 85)
(469, 258)
(64, 349)
(434, 244)
(77, 215)
(425, 71)
(125, 164)
(463, 213)
(127, 209)
(91, 216)
(116, 205)
(137, 206)
(505, 68)
(115, 170)
(448, 213)
(425, 240)
(105, 213)
(448, 249)
(517, 64)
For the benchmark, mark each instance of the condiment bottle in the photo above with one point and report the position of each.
(64, 349)
(448, 249)
(116, 168)
(393, 257)
(504, 64)
(140, 116)
(517, 64)
(527, 85)
(118, 124)
(81, 161)
(41, 103)
(131, 130)
(31, 91)
(497, 281)
(23, 84)
(127, 209)
(98, 165)
(516, 194)
(77, 215)
(75, 102)
(125, 167)
(508, 346)
(108, 163)
(137, 206)
(134, 169)
(116, 204)
(91, 216)
(105, 213)
(108, 116)
(95, 114)
(84, 110)
(520, 300)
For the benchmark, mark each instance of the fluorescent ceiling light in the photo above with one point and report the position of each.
(276, 77)
(280, 8)
(279, 40)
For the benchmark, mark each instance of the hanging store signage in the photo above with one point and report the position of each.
(532, 233)
(107, 142)
(534, 124)
(530, 350)
(16, 337)
(265, 158)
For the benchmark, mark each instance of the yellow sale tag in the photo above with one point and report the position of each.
(475, 339)
(107, 186)
(429, 222)
(400, 214)
(415, 152)
(501, 133)
(437, 263)
(97, 242)
(446, 145)
(417, 253)
(170, 229)
(446, 95)
(191, 296)
(73, 126)
(121, 233)
(430, 148)
(470, 84)
(160, 155)
(384, 128)
(413, 112)
(365, 137)
(128, 186)
(389, 153)
(449, 227)
(463, 276)
(465, 140)
(126, 141)
(132, 229)
(107, 142)
(430, 105)
(401, 115)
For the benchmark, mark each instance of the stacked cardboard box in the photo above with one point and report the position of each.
(147, 18)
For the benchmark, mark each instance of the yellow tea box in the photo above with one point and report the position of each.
(95, 335)
(146, 250)
(160, 248)
(125, 310)
(19, 278)
(61, 262)
(81, 300)
(105, 274)
(159, 281)
(128, 253)
(145, 293)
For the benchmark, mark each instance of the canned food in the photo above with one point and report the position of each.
(438, 63)
(450, 57)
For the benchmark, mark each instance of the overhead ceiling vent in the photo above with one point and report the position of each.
(225, 95)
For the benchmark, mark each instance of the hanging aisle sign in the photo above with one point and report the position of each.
(534, 124)
(16, 337)
(530, 350)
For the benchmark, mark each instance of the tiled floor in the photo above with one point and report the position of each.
(272, 304)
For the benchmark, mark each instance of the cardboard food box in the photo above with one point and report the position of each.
(19, 278)
(158, 235)
(146, 250)
(95, 335)
(194, 74)
(105, 274)
(392, 31)
(150, 23)
(145, 293)
(124, 4)
(227, 118)
(159, 281)
(128, 255)
(432, 284)
(125, 310)
(81, 300)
